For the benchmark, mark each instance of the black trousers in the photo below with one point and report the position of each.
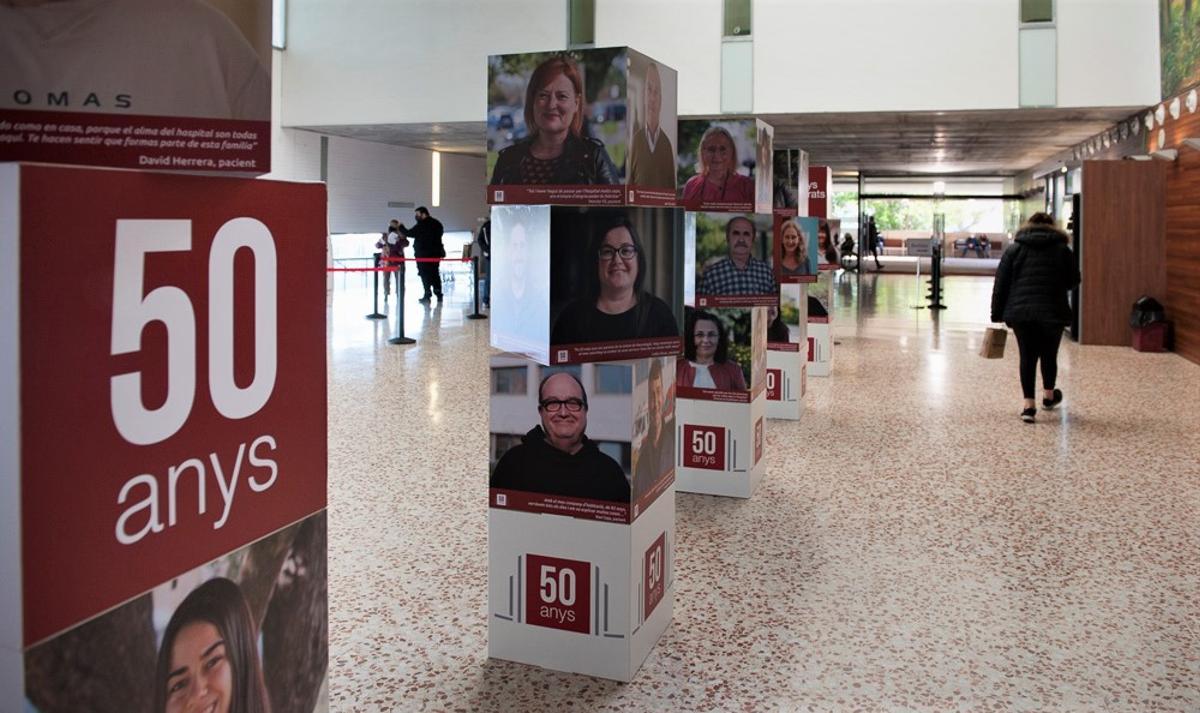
(431, 280)
(1038, 342)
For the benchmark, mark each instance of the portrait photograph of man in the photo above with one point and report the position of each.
(555, 456)
(652, 147)
(733, 256)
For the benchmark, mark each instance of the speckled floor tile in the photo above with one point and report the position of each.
(914, 546)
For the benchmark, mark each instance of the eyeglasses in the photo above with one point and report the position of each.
(627, 252)
(554, 405)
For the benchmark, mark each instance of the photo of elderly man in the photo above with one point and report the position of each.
(739, 273)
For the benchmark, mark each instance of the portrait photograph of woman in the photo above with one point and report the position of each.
(614, 278)
(718, 351)
(557, 118)
(717, 162)
(245, 633)
(795, 249)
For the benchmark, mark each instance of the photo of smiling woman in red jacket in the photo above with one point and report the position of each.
(706, 363)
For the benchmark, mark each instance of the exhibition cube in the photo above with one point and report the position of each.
(726, 165)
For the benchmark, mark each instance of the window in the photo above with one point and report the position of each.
(613, 379)
(1037, 11)
(581, 23)
(737, 18)
(510, 380)
(501, 443)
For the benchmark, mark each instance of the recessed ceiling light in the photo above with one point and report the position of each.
(1162, 138)
(1174, 108)
(1149, 120)
(1191, 101)
(1160, 114)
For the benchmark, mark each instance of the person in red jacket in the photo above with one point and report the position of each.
(706, 363)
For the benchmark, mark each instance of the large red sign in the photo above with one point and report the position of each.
(172, 350)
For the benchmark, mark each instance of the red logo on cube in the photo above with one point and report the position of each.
(812, 349)
(558, 593)
(654, 574)
(774, 384)
(704, 447)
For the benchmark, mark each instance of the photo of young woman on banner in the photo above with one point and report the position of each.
(615, 283)
(827, 252)
(556, 119)
(795, 249)
(734, 260)
(246, 632)
(724, 354)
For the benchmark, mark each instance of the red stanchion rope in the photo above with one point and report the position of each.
(396, 260)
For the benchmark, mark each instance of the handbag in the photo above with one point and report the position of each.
(994, 339)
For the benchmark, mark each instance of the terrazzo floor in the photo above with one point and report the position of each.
(913, 547)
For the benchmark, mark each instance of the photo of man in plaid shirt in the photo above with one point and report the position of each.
(740, 273)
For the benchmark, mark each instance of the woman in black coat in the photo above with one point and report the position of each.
(1030, 295)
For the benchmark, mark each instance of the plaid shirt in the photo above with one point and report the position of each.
(723, 278)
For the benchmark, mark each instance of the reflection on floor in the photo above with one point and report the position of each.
(914, 546)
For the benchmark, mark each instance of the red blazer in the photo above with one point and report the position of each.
(727, 376)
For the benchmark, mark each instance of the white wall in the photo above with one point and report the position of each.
(683, 34)
(364, 176)
(418, 61)
(405, 61)
(1108, 52)
(884, 55)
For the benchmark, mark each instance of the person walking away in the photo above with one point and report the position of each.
(873, 241)
(1030, 295)
(427, 242)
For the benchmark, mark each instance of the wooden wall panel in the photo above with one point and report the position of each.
(1123, 245)
(1183, 251)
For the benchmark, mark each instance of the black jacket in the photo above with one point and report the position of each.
(1033, 279)
(427, 238)
(535, 466)
(583, 162)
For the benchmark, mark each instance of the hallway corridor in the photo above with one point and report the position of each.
(914, 545)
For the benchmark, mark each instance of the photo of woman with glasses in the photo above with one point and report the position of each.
(556, 150)
(614, 305)
(706, 363)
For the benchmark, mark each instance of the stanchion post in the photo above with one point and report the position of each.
(375, 314)
(935, 296)
(400, 338)
(475, 288)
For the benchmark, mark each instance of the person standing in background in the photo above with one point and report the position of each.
(1030, 295)
(427, 242)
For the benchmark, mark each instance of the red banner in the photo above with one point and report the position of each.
(172, 352)
(733, 397)
(783, 347)
(820, 186)
(132, 141)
